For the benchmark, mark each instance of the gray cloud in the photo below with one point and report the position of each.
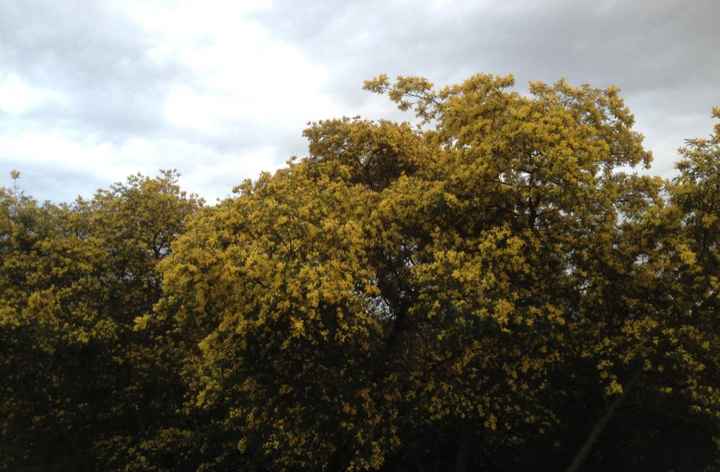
(89, 54)
(111, 87)
(57, 183)
(662, 53)
(640, 45)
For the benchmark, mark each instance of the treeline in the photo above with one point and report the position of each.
(494, 289)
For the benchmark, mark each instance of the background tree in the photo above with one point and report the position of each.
(81, 385)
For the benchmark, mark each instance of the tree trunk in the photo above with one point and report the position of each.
(461, 459)
(586, 448)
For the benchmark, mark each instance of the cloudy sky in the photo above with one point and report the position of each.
(92, 91)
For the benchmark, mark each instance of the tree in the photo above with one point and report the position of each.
(492, 287)
(80, 384)
(433, 294)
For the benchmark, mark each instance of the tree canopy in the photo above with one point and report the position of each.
(496, 285)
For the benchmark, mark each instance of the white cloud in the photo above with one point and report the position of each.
(240, 72)
(204, 169)
(241, 89)
(17, 97)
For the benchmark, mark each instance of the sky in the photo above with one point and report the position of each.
(93, 91)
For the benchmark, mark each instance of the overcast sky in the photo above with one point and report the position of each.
(92, 91)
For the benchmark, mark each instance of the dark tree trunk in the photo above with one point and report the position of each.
(598, 428)
(463, 451)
